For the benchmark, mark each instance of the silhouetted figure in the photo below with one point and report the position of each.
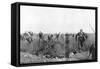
(40, 35)
(57, 36)
(67, 38)
(92, 51)
(27, 36)
(81, 37)
(67, 50)
(31, 33)
(50, 37)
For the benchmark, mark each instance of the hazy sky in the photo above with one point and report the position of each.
(54, 20)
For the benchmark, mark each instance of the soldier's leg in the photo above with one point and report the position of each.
(79, 46)
(81, 43)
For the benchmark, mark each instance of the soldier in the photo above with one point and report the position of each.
(26, 36)
(40, 39)
(67, 51)
(40, 35)
(57, 36)
(81, 37)
(30, 33)
(92, 51)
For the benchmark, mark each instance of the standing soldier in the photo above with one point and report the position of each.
(67, 50)
(40, 38)
(81, 37)
(40, 35)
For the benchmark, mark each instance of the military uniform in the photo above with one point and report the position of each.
(81, 37)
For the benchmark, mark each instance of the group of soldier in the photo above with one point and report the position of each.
(80, 37)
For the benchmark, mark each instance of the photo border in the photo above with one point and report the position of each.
(15, 17)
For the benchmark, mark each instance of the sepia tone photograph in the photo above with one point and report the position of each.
(50, 34)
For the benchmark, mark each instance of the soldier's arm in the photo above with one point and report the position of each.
(76, 36)
(85, 36)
